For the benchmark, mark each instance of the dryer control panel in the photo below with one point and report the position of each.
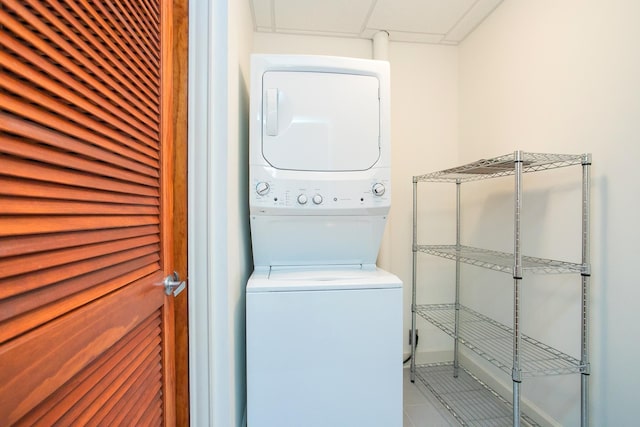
(272, 196)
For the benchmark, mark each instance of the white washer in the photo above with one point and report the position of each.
(324, 347)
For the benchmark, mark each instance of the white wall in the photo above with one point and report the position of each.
(310, 45)
(423, 130)
(424, 120)
(239, 262)
(550, 76)
(220, 34)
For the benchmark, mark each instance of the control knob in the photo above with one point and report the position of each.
(302, 199)
(378, 189)
(317, 199)
(262, 188)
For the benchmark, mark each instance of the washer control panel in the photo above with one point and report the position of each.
(299, 197)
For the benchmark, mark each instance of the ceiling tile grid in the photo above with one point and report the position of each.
(419, 21)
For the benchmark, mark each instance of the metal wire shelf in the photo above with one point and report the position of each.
(469, 400)
(494, 342)
(502, 166)
(499, 261)
(507, 348)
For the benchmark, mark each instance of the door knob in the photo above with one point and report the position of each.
(173, 285)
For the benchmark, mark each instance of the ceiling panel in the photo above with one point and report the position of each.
(417, 21)
(470, 20)
(332, 16)
(418, 16)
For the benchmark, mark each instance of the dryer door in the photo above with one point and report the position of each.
(315, 121)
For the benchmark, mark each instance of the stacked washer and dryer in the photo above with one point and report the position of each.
(324, 324)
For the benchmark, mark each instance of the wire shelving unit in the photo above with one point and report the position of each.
(504, 346)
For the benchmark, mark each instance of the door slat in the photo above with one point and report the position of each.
(21, 148)
(116, 390)
(45, 118)
(48, 259)
(55, 39)
(30, 206)
(149, 12)
(34, 367)
(37, 171)
(151, 60)
(112, 362)
(57, 108)
(62, 297)
(24, 245)
(148, 28)
(41, 190)
(69, 29)
(101, 95)
(134, 64)
(29, 73)
(18, 284)
(14, 125)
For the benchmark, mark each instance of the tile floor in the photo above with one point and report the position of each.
(421, 409)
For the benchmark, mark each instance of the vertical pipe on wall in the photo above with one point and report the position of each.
(381, 46)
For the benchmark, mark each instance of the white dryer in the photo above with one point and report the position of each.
(324, 324)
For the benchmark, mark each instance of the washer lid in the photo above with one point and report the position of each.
(314, 278)
(318, 121)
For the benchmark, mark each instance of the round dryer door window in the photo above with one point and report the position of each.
(320, 121)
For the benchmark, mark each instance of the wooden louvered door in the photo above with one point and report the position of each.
(86, 212)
